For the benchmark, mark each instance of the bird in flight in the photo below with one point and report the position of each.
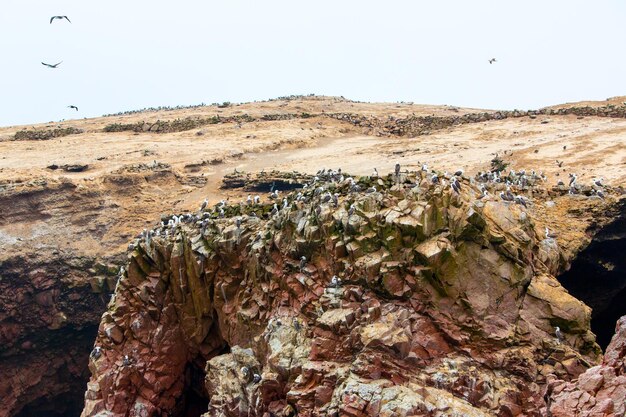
(59, 17)
(492, 60)
(51, 65)
(73, 107)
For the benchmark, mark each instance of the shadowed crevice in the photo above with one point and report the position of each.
(598, 278)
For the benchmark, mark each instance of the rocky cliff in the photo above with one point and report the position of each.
(600, 391)
(49, 314)
(394, 295)
(74, 193)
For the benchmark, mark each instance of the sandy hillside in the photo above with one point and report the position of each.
(130, 178)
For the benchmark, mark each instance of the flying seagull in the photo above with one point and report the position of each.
(73, 107)
(59, 17)
(52, 65)
(492, 60)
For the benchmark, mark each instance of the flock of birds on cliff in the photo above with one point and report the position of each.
(55, 66)
(509, 188)
(316, 193)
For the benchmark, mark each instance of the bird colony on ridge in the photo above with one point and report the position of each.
(515, 187)
(333, 188)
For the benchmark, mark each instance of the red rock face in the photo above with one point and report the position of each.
(600, 391)
(447, 306)
(47, 315)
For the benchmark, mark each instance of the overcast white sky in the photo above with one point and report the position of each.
(123, 55)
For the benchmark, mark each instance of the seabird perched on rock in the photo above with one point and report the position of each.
(558, 334)
(424, 167)
(335, 281)
(520, 200)
(375, 173)
(53, 18)
(572, 179)
(351, 209)
(598, 182)
(454, 187)
(204, 204)
(434, 179)
(238, 222)
(245, 371)
(302, 263)
(550, 235)
(458, 173)
(126, 360)
(73, 107)
(52, 65)
(397, 170)
(249, 200)
(96, 352)
(372, 189)
(274, 210)
(256, 378)
(257, 199)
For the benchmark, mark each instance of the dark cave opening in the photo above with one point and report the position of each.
(279, 185)
(598, 278)
(195, 399)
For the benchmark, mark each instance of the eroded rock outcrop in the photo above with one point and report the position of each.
(445, 305)
(599, 391)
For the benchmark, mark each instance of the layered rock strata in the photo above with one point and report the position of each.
(412, 299)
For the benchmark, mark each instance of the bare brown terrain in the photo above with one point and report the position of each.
(70, 205)
(195, 160)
